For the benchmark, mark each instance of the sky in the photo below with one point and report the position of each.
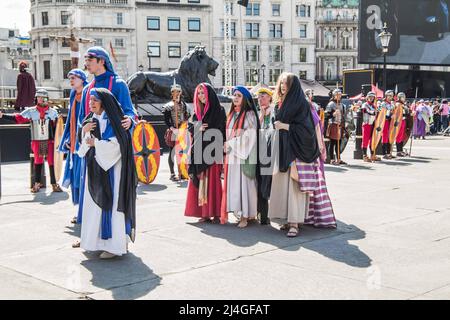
(15, 14)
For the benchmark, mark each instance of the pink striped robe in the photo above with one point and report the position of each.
(312, 180)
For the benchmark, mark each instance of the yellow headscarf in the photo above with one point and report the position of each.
(265, 90)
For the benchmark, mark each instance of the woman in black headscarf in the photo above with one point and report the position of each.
(205, 187)
(109, 188)
(295, 142)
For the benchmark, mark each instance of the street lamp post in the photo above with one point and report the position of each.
(263, 69)
(385, 38)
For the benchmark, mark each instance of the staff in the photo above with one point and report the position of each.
(414, 124)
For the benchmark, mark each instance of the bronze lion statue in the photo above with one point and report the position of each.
(154, 87)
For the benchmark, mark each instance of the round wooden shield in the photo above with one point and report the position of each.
(378, 128)
(182, 146)
(58, 156)
(396, 122)
(146, 152)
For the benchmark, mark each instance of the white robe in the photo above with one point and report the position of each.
(242, 194)
(107, 155)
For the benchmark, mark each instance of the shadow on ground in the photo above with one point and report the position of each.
(117, 274)
(335, 243)
(144, 189)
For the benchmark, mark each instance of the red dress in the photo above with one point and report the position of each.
(211, 208)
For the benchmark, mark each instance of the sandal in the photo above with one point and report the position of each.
(74, 220)
(215, 220)
(243, 224)
(36, 188)
(284, 227)
(201, 220)
(76, 244)
(56, 188)
(293, 232)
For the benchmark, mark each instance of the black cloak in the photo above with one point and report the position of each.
(300, 142)
(216, 118)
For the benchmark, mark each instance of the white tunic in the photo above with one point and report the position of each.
(242, 194)
(107, 155)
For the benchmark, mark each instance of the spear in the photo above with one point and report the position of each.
(414, 125)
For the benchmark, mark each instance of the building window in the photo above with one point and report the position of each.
(173, 24)
(252, 53)
(233, 29)
(45, 18)
(253, 9)
(46, 43)
(174, 49)
(252, 30)
(329, 40)
(276, 30)
(346, 40)
(302, 56)
(303, 11)
(233, 52)
(154, 48)
(276, 9)
(329, 15)
(276, 53)
(65, 18)
(99, 42)
(229, 7)
(303, 33)
(67, 66)
(302, 74)
(194, 24)
(192, 45)
(330, 70)
(233, 77)
(119, 42)
(33, 22)
(119, 18)
(274, 74)
(47, 74)
(193, 1)
(65, 43)
(346, 65)
(251, 77)
(153, 23)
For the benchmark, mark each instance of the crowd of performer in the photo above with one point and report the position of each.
(262, 160)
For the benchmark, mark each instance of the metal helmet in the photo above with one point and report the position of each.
(336, 92)
(389, 93)
(42, 93)
(401, 95)
(371, 94)
(175, 86)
